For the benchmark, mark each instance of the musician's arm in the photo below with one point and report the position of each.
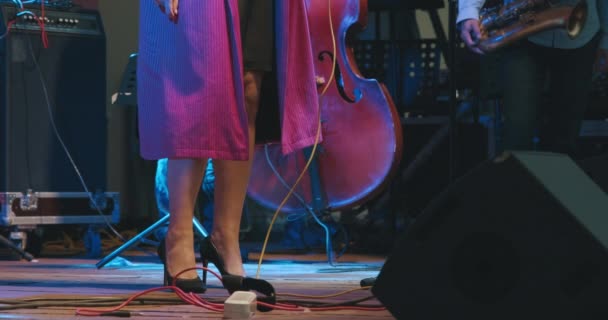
(469, 9)
(468, 23)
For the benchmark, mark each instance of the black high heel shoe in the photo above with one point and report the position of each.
(232, 282)
(195, 285)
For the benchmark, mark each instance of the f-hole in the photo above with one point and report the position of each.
(357, 95)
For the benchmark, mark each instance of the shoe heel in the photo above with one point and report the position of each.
(209, 252)
(205, 266)
(165, 276)
(161, 255)
(188, 285)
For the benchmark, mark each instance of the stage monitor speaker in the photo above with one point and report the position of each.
(597, 169)
(524, 236)
(73, 74)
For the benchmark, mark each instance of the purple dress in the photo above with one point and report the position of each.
(190, 86)
(191, 102)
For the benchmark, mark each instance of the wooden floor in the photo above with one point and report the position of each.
(79, 279)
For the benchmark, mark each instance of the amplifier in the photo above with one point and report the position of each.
(77, 23)
(43, 91)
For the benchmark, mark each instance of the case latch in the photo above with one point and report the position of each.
(29, 201)
(98, 201)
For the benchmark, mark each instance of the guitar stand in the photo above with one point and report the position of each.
(198, 228)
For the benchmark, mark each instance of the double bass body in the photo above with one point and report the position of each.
(362, 137)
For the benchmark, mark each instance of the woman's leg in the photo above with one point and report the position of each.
(231, 179)
(184, 177)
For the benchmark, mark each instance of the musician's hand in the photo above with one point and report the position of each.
(169, 7)
(470, 34)
(601, 62)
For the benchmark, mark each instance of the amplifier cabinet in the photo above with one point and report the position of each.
(65, 82)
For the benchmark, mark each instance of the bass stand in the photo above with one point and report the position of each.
(198, 229)
(16, 249)
(317, 201)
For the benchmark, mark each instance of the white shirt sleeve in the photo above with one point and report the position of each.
(602, 10)
(469, 9)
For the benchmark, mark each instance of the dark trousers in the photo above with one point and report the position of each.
(545, 94)
(257, 34)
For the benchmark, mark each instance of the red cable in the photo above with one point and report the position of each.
(184, 296)
(45, 38)
(8, 28)
(196, 300)
(43, 33)
(188, 298)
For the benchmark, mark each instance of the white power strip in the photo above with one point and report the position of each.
(240, 305)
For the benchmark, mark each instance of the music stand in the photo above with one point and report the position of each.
(447, 44)
(430, 6)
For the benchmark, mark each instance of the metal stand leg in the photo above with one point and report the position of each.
(18, 250)
(318, 203)
(198, 228)
(93, 241)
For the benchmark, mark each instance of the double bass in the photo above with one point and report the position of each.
(361, 129)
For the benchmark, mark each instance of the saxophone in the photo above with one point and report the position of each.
(514, 20)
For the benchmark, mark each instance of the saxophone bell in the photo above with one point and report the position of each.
(504, 25)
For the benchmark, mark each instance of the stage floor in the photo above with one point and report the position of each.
(79, 279)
